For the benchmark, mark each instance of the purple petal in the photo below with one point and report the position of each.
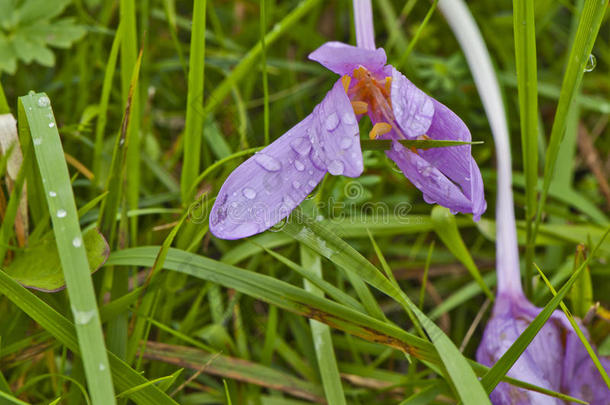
(335, 135)
(581, 379)
(447, 176)
(267, 187)
(435, 186)
(413, 109)
(537, 365)
(343, 59)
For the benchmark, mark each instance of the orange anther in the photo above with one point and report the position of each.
(379, 129)
(388, 85)
(360, 107)
(346, 80)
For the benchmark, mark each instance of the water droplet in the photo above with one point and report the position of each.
(312, 183)
(420, 164)
(267, 162)
(37, 141)
(332, 121)
(51, 124)
(336, 167)
(310, 172)
(249, 193)
(44, 101)
(467, 178)
(348, 118)
(302, 146)
(77, 242)
(83, 317)
(102, 367)
(346, 142)
(299, 165)
(52, 194)
(289, 202)
(319, 218)
(61, 213)
(428, 171)
(122, 142)
(296, 184)
(246, 229)
(591, 63)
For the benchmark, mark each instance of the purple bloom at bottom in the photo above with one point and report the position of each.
(269, 185)
(555, 359)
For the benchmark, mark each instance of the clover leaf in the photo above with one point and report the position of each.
(29, 27)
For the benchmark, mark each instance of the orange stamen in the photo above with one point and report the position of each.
(388, 85)
(346, 80)
(360, 107)
(379, 129)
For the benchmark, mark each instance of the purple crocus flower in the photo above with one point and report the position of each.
(556, 358)
(269, 185)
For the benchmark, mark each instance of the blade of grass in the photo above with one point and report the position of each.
(263, 29)
(322, 339)
(527, 87)
(326, 243)
(193, 130)
(102, 115)
(36, 110)
(586, 33)
(63, 330)
(130, 63)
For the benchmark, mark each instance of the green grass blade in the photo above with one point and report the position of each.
(193, 130)
(446, 228)
(263, 29)
(586, 33)
(102, 115)
(527, 85)
(322, 339)
(326, 243)
(63, 330)
(36, 110)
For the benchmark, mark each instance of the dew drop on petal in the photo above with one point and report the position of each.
(332, 121)
(312, 183)
(61, 213)
(310, 172)
(336, 167)
(289, 202)
(296, 184)
(299, 165)
(346, 142)
(249, 193)
(267, 162)
(43, 101)
(77, 242)
(348, 118)
(302, 146)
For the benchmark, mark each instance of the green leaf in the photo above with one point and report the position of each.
(33, 11)
(385, 144)
(61, 33)
(40, 267)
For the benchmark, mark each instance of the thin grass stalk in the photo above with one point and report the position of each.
(586, 33)
(263, 26)
(193, 131)
(527, 85)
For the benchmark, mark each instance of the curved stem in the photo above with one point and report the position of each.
(468, 35)
(363, 19)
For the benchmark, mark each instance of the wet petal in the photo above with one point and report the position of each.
(335, 135)
(267, 187)
(413, 109)
(537, 365)
(343, 58)
(435, 186)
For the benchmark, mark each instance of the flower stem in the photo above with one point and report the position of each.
(468, 35)
(363, 19)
